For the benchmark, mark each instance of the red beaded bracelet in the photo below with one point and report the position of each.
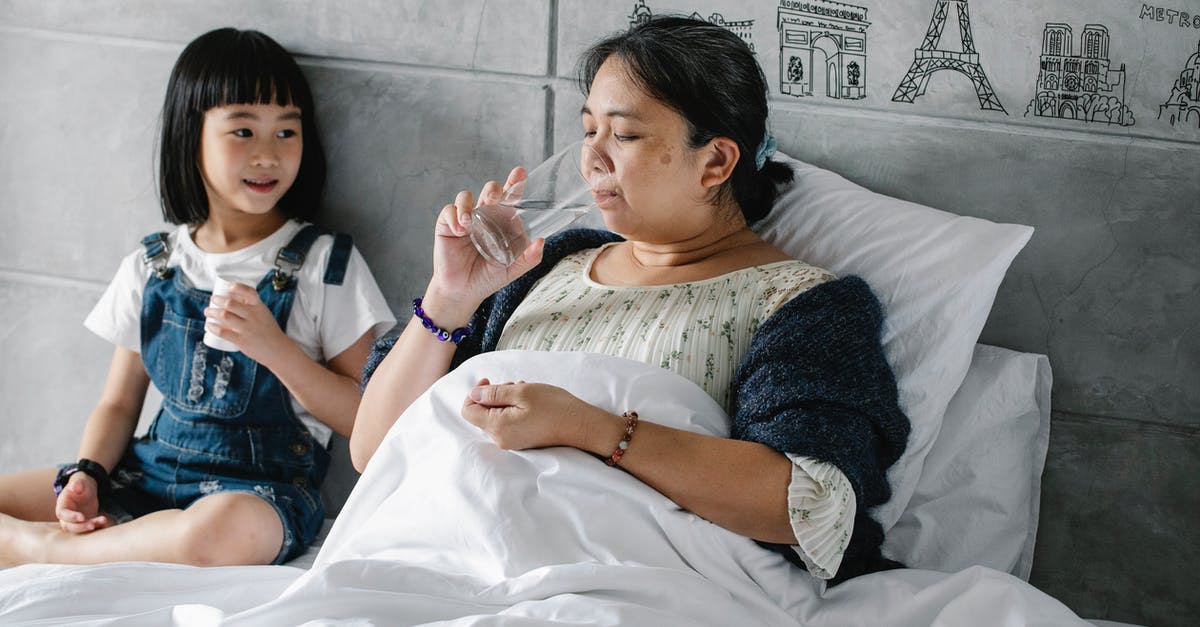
(631, 423)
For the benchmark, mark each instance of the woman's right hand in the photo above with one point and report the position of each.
(461, 276)
(78, 505)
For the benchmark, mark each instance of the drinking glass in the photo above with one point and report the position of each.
(556, 194)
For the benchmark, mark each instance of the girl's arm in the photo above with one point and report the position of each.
(106, 435)
(111, 424)
(328, 393)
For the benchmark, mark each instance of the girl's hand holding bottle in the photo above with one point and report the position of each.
(243, 319)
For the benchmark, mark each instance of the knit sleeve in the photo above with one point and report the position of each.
(816, 382)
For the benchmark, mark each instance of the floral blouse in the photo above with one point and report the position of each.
(700, 330)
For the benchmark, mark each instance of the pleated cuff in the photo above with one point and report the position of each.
(821, 506)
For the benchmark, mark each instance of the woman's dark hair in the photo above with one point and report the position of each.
(710, 76)
(224, 67)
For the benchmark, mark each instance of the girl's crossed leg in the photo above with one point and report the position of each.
(226, 528)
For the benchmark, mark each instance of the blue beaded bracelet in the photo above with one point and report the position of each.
(443, 335)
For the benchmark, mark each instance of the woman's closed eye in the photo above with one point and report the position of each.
(617, 136)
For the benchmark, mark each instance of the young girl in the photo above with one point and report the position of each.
(230, 469)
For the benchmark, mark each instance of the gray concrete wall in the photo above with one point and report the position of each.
(421, 99)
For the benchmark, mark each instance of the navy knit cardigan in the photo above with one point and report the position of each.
(814, 382)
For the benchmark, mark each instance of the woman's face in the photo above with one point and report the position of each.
(656, 195)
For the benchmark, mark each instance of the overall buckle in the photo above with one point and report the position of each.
(287, 262)
(156, 254)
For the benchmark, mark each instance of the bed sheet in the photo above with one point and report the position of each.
(445, 528)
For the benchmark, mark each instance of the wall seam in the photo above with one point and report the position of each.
(548, 138)
(26, 277)
(1163, 428)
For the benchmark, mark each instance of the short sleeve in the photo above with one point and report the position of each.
(353, 308)
(118, 314)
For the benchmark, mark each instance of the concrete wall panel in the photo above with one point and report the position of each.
(506, 36)
(1136, 505)
(78, 130)
(55, 373)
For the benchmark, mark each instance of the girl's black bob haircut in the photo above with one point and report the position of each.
(225, 67)
(710, 77)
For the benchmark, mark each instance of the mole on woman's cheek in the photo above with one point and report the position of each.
(665, 159)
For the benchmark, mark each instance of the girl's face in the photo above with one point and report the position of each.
(249, 156)
(656, 194)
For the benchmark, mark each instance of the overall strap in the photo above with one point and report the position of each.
(155, 252)
(339, 257)
(291, 258)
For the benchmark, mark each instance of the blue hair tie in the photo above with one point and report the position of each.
(765, 149)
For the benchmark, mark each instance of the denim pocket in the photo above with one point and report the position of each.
(201, 379)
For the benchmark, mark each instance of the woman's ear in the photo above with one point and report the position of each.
(720, 157)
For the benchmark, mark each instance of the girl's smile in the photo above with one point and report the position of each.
(262, 186)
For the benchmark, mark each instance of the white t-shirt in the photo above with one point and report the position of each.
(325, 319)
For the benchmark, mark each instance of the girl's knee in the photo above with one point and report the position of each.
(230, 529)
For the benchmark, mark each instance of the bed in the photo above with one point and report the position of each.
(445, 528)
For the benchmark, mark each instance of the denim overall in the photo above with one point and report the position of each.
(226, 423)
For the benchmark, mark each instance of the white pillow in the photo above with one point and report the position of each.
(977, 500)
(936, 274)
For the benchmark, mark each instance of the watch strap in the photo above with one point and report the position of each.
(87, 467)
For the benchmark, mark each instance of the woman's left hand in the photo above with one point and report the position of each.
(242, 318)
(529, 415)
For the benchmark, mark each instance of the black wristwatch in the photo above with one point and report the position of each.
(87, 467)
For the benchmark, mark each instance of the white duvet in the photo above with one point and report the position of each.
(446, 528)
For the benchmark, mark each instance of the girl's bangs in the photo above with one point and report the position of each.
(251, 74)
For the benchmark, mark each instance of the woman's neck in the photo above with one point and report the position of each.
(708, 245)
(223, 234)
(711, 254)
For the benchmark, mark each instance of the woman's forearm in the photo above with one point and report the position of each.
(417, 360)
(741, 486)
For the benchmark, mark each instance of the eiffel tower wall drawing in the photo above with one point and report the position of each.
(930, 58)
(1080, 86)
(822, 49)
(1183, 106)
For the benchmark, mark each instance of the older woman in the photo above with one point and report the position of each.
(677, 109)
